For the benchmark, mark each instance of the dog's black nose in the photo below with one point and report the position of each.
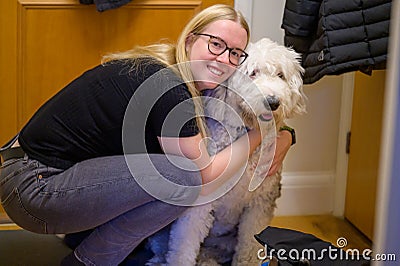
(272, 102)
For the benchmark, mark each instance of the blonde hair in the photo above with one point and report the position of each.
(177, 56)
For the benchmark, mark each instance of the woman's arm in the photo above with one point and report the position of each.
(224, 164)
(283, 143)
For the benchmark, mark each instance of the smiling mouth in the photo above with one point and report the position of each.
(266, 117)
(215, 71)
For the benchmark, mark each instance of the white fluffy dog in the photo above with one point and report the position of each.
(224, 229)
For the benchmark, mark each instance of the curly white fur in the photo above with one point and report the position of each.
(223, 230)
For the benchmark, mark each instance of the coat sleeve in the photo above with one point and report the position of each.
(300, 18)
(300, 21)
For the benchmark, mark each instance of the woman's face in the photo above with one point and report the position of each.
(212, 70)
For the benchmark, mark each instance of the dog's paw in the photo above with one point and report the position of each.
(207, 262)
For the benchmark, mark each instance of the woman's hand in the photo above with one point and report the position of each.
(283, 143)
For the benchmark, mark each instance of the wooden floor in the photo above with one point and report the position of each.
(19, 247)
(5, 222)
(325, 227)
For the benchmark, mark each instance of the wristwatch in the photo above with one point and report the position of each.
(292, 132)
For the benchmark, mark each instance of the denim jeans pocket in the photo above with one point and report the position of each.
(41, 179)
(43, 174)
(15, 209)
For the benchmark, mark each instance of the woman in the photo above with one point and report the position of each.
(67, 172)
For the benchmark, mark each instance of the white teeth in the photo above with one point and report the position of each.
(215, 71)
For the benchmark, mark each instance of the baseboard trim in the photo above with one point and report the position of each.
(306, 193)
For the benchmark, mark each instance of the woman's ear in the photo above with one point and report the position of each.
(189, 41)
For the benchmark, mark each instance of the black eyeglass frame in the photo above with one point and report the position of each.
(245, 55)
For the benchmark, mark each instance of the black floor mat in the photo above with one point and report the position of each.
(20, 247)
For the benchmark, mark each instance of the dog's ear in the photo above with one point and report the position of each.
(297, 94)
(249, 120)
(294, 77)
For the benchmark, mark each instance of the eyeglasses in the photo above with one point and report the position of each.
(217, 46)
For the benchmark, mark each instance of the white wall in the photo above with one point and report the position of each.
(314, 173)
(387, 219)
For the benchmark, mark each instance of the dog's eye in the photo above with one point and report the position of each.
(254, 73)
(280, 75)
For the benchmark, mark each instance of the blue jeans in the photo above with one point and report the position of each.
(98, 193)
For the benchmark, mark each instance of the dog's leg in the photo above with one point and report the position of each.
(255, 218)
(207, 262)
(217, 249)
(187, 234)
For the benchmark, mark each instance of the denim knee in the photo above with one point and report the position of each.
(169, 178)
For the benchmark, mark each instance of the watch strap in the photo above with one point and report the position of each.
(291, 131)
